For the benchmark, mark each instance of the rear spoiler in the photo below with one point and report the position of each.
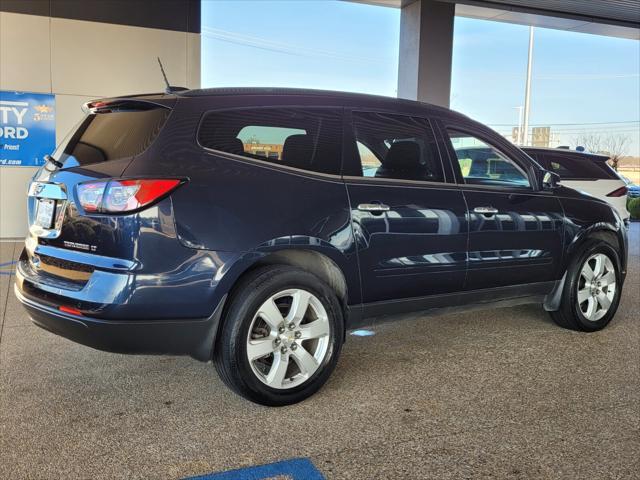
(115, 104)
(596, 157)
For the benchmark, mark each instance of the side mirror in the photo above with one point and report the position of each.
(550, 180)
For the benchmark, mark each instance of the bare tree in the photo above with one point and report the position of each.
(615, 146)
(592, 142)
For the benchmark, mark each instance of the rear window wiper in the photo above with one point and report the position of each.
(50, 160)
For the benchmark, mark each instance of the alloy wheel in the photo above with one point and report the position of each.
(596, 287)
(288, 338)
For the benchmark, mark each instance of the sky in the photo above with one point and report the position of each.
(581, 84)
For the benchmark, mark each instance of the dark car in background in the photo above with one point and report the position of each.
(254, 227)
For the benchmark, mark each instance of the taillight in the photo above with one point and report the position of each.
(119, 196)
(618, 192)
(90, 195)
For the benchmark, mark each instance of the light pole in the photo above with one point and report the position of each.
(527, 91)
(519, 137)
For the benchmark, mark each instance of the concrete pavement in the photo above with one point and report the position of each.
(500, 393)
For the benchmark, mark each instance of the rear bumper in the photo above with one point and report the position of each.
(172, 337)
(620, 204)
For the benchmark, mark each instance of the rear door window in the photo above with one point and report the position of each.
(305, 138)
(112, 135)
(396, 147)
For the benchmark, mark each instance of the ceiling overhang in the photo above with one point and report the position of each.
(613, 18)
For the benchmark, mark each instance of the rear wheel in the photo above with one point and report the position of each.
(281, 336)
(592, 289)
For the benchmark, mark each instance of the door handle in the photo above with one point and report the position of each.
(488, 211)
(375, 208)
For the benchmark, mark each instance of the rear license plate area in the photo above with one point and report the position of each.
(45, 213)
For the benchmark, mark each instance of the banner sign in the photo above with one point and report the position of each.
(27, 128)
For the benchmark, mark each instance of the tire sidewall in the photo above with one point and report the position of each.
(242, 317)
(572, 295)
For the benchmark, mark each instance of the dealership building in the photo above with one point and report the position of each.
(55, 55)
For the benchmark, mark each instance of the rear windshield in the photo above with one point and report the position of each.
(101, 137)
(576, 167)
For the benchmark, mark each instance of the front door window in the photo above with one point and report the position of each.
(483, 164)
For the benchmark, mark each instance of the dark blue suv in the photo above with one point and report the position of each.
(254, 227)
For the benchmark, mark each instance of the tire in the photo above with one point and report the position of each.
(289, 363)
(575, 310)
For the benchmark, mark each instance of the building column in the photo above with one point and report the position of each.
(426, 47)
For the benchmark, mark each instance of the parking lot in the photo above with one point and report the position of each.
(500, 393)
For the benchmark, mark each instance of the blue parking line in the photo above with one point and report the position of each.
(294, 469)
(363, 333)
(7, 271)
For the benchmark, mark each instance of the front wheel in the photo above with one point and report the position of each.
(592, 289)
(281, 336)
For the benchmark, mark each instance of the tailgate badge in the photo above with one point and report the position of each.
(80, 246)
